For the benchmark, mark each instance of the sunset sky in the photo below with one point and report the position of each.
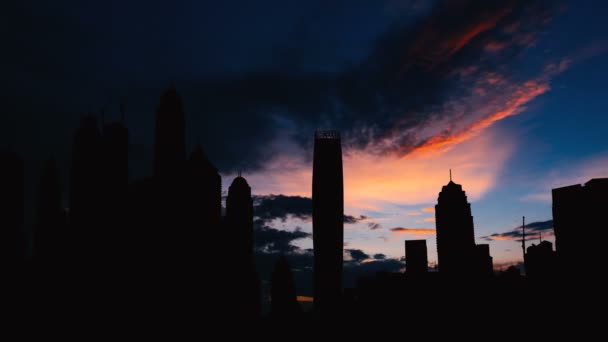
(510, 95)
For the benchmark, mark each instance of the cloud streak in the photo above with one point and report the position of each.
(403, 230)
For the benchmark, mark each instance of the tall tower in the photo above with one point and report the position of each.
(327, 220)
(242, 281)
(170, 140)
(456, 249)
(85, 189)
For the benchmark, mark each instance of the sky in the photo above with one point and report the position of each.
(509, 95)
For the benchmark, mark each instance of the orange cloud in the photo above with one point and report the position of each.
(413, 230)
(514, 105)
(429, 209)
(305, 299)
(413, 213)
(429, 219)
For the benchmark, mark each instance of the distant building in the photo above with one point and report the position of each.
(327, 220)
(578, 209)
(456, 249)
(50, 227)
(484, 262)
(12, 238)
(541, 261)
(416, 260)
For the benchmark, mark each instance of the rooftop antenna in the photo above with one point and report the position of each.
(523, 233)
(540, 236)
(450, 175)
(239, 173)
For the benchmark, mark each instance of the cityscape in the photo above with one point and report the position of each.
(303, 167)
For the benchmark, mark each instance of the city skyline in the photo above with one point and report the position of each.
(494, 92)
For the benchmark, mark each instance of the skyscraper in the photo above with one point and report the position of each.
(455, 233)
(416, 259)
(242, 283)
(328, 220)
(50, 228)
(85, 189)
(170, 138)
(11, 207)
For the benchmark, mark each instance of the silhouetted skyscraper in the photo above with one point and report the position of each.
(86, 184)
(115, 181)
(416, 260)
(239, 222)
(170, 138)
(50, 229)
(203, 205)
(327, 220)
(575, 209)
(455, 232)
(284, 303)
(12, 238)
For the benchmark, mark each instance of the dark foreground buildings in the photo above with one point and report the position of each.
(578, 209)
(327, 220)
(416, 259)
(12, 244)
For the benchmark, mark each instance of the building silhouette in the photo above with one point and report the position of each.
(243, 283)
(416, 260)
(284, 303)
(114, 189)
(50, 227)
(204, 193)
(86, 184)
(483, 259)
(12, 237)
(455, 232)
(577, 208)
(328, 220)
(541, 261)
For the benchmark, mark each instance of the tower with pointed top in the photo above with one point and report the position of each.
(170, 136)
(456, 249)
(327, 220)
(239, 222)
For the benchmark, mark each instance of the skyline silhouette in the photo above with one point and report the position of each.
(313, 163)
(162, 225)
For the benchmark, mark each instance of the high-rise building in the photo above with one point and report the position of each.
(86, 189)
(243, 281)
(577, 209)
(328, 220)
(170, 137)
(416, 260)
(12, 244)
(455, 233)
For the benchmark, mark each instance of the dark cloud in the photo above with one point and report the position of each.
(533, 230)
(379, 256)
(244, 86)
(349, 219)
(356, 255)
(374, 225)
(271, 207)
(273, 240)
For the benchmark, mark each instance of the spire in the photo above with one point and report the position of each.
(450, 175)
(523, 233)
(240, 172)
